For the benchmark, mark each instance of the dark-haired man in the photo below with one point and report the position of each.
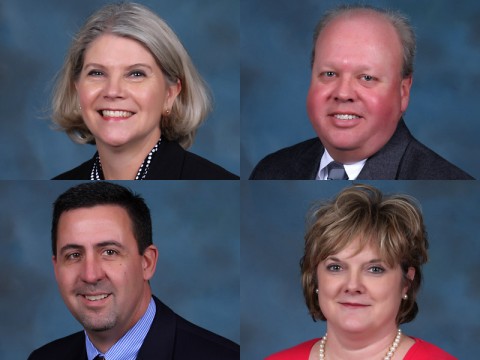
(103, 258)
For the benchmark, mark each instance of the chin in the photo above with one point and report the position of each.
(354, 326)
(113, 141)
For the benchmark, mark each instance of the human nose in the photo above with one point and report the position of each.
(114, 88)
(92, 271)
(344, 91)
(354, 283)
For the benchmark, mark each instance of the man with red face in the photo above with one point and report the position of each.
(362, 68)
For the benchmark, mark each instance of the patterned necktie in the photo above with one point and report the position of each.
(99, 357)
(336, 171)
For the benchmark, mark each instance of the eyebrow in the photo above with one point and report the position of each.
(98, 245)
(70, 247)
(109, 243)
(94, 65)
(368, 262)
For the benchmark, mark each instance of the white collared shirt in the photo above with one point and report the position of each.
(352, 170)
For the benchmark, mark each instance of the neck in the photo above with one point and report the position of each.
(122, 163)
(346, 157)
(364, 345)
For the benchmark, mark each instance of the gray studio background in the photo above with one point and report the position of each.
(195, 226)
(276, 42)
(273, 313)
(34, 38)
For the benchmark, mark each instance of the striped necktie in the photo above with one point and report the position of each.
(336, 171)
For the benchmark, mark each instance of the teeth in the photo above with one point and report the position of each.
(96, 297)
(117, 114)
(346, 116)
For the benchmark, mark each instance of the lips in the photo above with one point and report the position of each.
(354, 305)
(117, 114)
(346, 116)
(96, 297)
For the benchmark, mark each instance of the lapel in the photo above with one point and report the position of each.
(168, 162)
(385, 164)
(307, 163)
(160, 341)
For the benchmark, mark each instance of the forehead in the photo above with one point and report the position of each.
(359, 33)
(117, 49)
(357, 248)
(98, 223)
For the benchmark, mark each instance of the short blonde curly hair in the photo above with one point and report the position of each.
(136, 22)
(392, 224)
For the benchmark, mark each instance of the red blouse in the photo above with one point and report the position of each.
(421, 350)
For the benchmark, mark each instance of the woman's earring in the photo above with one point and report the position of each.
(316, 290)
(405, 297)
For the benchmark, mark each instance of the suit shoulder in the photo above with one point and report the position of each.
(421, 163)
(277, 164)
(197, 167)
(65, 348)
(201, 341)
(81, 172)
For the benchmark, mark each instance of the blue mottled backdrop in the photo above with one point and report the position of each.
(276, 43)
(34, 38)
(273, 312)
(195, 227)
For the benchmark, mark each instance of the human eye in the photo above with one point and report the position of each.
(328, 74)
(137, 73)
(334, 267)
(95, 73)
(368, 78)
(72, 256)
(376, 269)
(110, 252)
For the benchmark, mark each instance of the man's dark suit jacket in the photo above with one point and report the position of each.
(171, 162)
(170, 338)
(402, 158)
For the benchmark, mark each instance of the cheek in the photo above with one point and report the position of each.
(87, 94)
(384, 104)
(314, 100)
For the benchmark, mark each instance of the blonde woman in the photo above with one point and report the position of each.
(129, 87)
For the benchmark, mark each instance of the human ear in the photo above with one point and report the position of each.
(149, 262)
(410, 275)
(405, 86)
(172, 92)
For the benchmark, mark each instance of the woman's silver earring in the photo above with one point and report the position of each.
(405, 297)
(316, 290)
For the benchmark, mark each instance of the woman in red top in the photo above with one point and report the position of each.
(361, 272)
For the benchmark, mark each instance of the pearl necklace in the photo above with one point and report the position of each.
(388, 355)
(97, 173)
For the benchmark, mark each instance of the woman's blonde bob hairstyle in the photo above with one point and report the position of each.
(135, 22)
(392, 224)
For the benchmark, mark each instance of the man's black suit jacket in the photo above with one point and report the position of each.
(402, 158)
(171, 162)
(170, 338)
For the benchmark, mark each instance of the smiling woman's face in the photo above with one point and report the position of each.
(123, 92)
(358, 291)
